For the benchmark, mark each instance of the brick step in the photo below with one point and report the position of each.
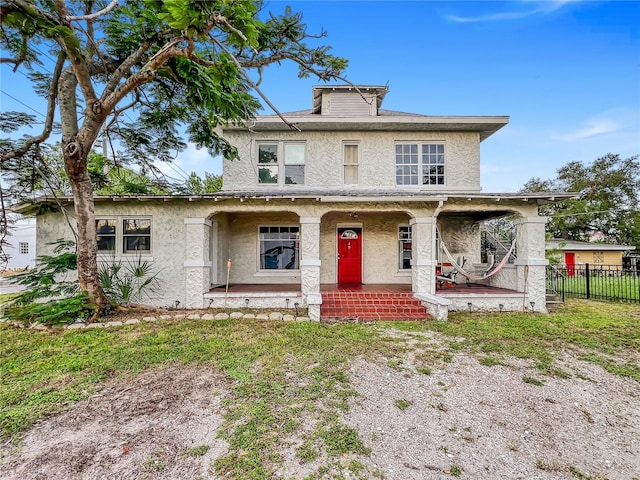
(364, 311)
(372, 306)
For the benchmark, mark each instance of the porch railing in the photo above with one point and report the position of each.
(602, 282)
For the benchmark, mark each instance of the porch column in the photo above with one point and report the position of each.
(310, 264)
(197, 264)
(531, 261)
(422, 257)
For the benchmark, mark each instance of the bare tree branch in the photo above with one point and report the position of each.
(92, 16)
(48, 124)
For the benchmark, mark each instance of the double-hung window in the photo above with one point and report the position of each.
(106, 234)
(279, 248)
(124, 234)
(420, 164)
(404, 247)
(350, 164)
(281, 163)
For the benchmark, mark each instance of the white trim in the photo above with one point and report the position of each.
(336, 237)
(420, 173)
(277, 273)
(280, 164)
(119, 251)
(268, 272)
(196, 263)
(311, 262)
(197, 221)
(355, 143)
(310, 220)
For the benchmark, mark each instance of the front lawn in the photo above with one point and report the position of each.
(282, 372)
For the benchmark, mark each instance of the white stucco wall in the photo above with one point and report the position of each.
(22, 231)
(324, 159)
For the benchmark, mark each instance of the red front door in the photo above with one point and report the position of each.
(349, 255)
(570, 262)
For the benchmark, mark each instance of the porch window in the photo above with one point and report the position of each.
(420, 164)
(279, 248)
(106, 234)
(136, 235)
(404, 248)
(350, 164)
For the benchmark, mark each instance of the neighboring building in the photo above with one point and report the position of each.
(20, 250)
(570, 252)
(338, 215)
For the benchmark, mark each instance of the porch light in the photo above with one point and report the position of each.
(210, 302)
(470, 306)
(287, 302)
(533, 304)
(500, 307)
(246, 302)
(177, 303)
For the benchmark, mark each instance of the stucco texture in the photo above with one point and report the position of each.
(376, 168)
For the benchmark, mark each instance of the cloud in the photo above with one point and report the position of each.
(593, 128)
(542, 8)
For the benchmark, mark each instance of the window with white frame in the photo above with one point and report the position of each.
(106, 234)
(124, 234)
(404, 247)
(281, 163)
(350, 164)
(23, 247)
(420, 164)
(279, 247)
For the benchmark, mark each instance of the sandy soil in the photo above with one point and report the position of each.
(483, 422)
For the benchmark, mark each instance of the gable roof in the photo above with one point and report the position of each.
(570, 245)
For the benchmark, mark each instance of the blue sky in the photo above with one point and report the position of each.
(566, 72)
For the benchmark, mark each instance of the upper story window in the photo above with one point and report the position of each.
(281, 163)
(420, 164)
(350, 164)
(24, 248)
(128, 235)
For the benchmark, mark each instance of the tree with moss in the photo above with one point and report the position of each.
(136, 72)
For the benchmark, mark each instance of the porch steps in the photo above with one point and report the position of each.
(368, 306)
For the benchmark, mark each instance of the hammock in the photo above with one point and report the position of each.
(488, 274)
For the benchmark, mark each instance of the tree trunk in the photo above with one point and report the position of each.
(87, 248)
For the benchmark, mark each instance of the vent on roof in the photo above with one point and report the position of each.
(349, 104)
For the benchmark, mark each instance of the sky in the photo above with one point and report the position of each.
(566, 72)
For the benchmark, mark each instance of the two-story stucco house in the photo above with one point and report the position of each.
(347, 214)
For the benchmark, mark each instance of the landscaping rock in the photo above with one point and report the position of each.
(288, 318)
(179, 316)
(165, 317)
(208, 316)
(193, 316)
(96, 325)
(153, 319)
(262, 316)
(115, 323)
(303, 319)
(74, 326)
(222, 316)
(249, 316)
(236, 315)
(132, 321)
(275, 316)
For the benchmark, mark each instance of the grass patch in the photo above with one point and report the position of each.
(402, 404)
(287, 374)
(600, 328)
(533, 381)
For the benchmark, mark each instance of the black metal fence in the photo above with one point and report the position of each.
(602, 282)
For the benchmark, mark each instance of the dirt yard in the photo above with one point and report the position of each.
(462, 420)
